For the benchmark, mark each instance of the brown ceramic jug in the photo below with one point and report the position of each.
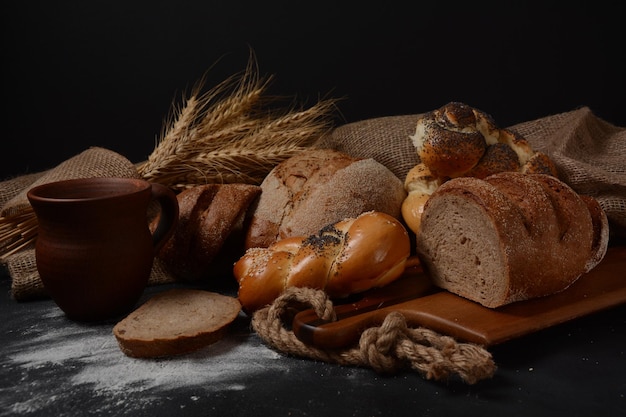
(94, 249)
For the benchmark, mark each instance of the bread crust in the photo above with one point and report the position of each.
(509, 237)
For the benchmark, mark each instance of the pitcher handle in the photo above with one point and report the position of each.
(168, 218)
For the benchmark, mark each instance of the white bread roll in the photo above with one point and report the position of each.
(318, 187)
(509, 237)
(347, 257)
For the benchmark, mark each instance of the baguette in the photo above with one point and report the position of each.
(176, 322)
(510, 237)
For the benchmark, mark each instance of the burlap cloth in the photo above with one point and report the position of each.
(589, 152)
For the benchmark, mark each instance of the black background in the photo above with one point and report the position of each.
(105, 73)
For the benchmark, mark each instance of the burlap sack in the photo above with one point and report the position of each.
(93, 162)
(590, 153)
(386, 139)
(14, 186)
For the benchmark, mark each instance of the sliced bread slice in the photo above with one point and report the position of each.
(176, 322)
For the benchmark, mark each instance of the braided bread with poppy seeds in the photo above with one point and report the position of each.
(343, 258)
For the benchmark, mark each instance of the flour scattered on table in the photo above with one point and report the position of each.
(74, 356)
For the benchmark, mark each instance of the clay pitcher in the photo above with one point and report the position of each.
(94, 249)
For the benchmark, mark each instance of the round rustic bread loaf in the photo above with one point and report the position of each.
(318, 187)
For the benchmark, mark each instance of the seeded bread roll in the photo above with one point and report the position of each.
(510, 237)
(457, 140)
(176, 322)
(318, 187)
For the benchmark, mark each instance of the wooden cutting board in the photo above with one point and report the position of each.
(424, 305)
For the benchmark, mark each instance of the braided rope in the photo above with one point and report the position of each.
(386, 349)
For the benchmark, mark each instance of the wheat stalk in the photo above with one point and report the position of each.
(17, 232)
(229, 135)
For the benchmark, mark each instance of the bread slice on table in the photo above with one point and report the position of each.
(176, 322)
(510, 237)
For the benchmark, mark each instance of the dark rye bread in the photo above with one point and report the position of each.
(176, 322)
(318, 187)
(509, 237)
(209, 231)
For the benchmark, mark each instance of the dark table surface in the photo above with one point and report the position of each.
(51, 366)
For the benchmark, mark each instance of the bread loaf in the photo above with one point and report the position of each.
(347, 257)
(458, 140)
(176, 322)
(208, 216)
(509, 237)
(318, 187)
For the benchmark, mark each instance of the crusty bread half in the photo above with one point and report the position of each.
(318, 187)
(176, 322)
(509, 237)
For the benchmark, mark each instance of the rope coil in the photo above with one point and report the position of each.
(386, 349)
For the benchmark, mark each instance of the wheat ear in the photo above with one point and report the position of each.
(228, 134)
